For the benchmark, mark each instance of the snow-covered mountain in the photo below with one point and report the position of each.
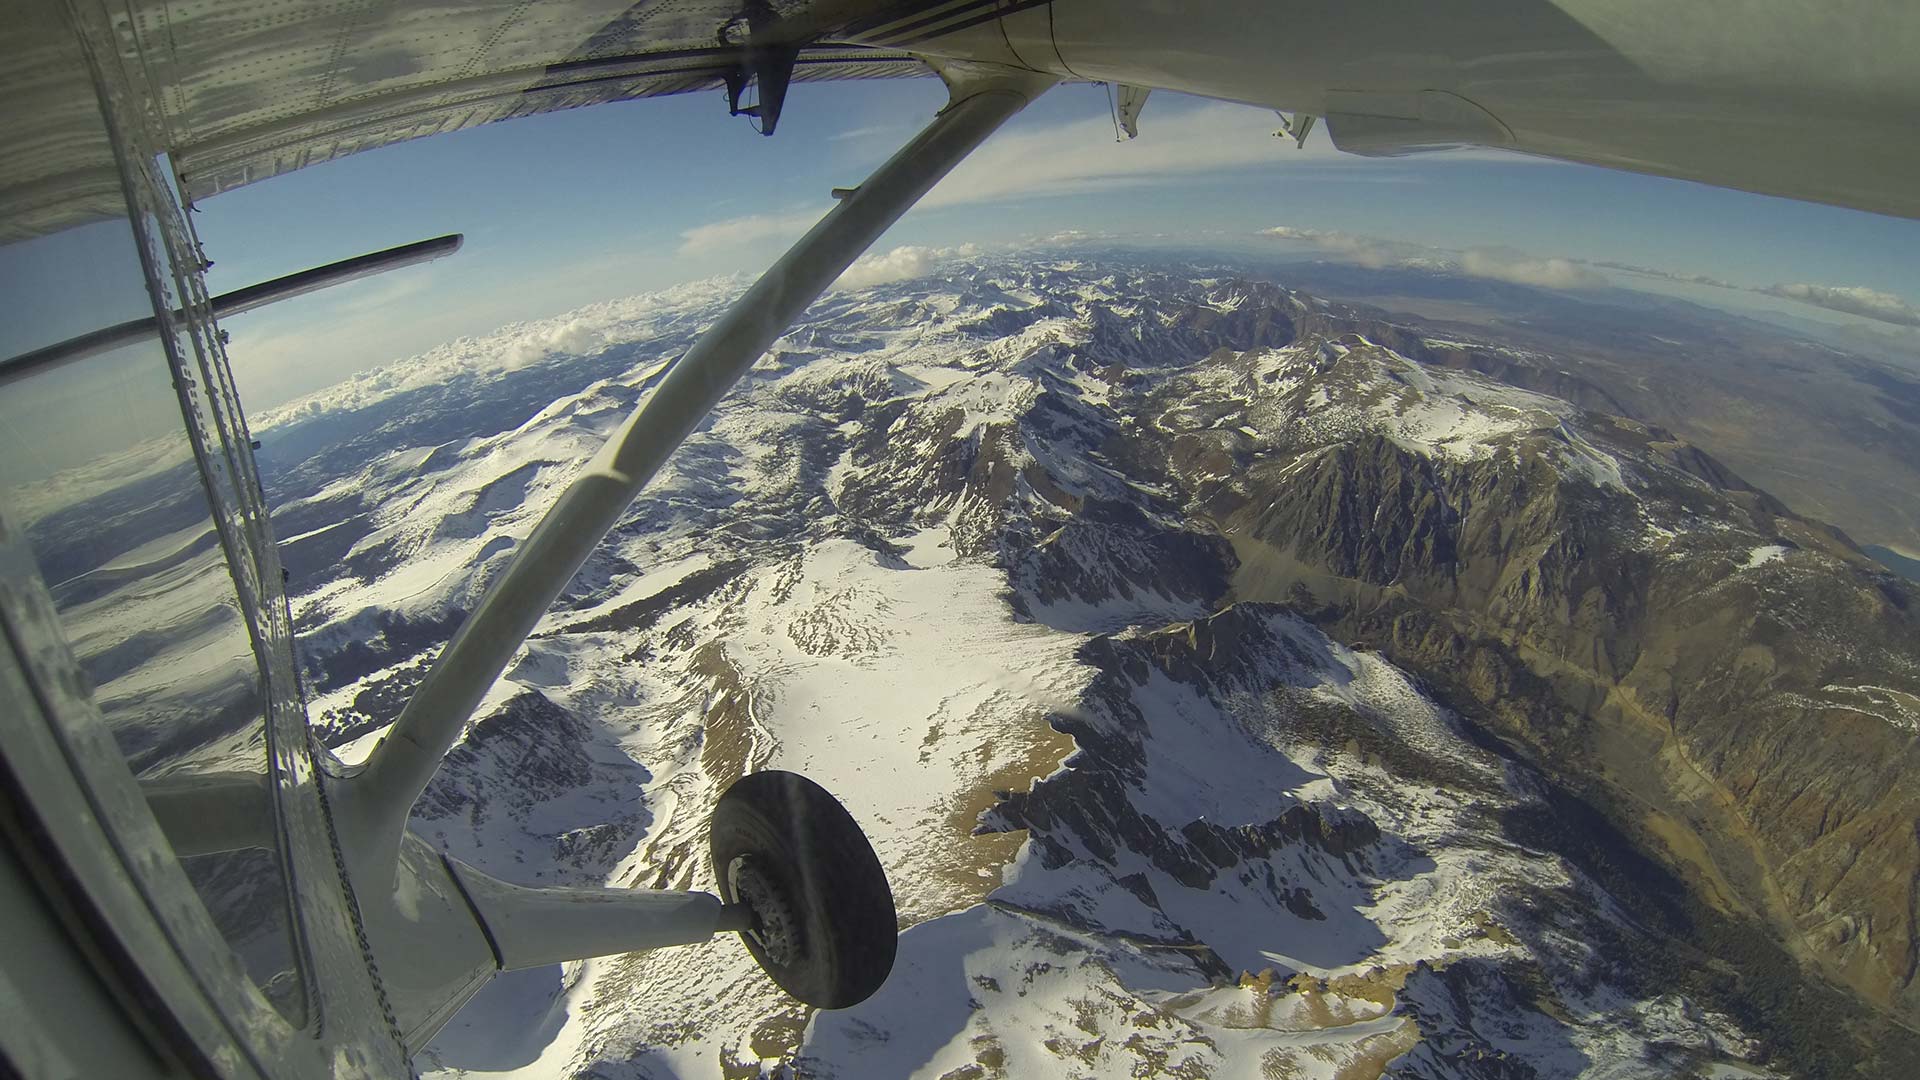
(1032, 564)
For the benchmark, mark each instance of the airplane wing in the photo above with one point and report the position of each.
(251, 94)
(1811, 102)
(243, 90)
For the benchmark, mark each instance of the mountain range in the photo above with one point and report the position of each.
(1233, 682)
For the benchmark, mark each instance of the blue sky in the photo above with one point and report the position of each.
(570, 208)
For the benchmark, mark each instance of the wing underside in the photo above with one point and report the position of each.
(1791, 101)
(253, 89)
(258, 151)
(243, 90)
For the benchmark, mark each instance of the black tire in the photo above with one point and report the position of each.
(824, 921)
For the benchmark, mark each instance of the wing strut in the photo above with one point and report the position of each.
(234, 303)
(391, 871)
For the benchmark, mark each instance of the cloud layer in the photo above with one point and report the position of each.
(1495, 263)
(1368, 251)
(1670, 275)
(1519, 268)
(901, 264)
(1852, 299)
(751, 229)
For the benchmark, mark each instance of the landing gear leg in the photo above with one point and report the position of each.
(806, 882)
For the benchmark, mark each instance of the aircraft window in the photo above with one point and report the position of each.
(97, 467)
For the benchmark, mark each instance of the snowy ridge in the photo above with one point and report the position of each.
(1240, 912)
(1329, 391)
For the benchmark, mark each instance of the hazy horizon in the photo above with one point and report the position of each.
(567, 209)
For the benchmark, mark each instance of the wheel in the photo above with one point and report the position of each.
(823, 923)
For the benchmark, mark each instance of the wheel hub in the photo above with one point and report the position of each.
(776, 926)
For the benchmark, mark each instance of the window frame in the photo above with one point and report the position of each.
(73, 811)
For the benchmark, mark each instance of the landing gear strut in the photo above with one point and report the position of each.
(801, 882)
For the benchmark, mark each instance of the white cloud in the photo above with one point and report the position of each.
(1368, 251)
(1670, 275)
(900, 264)
(868, 132)
(1068, 236)
(1851, 299)
(1499, 264)
(1519, 268)
(575, 337)
(742, 231)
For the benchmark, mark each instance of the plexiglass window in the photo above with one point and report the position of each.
(97, 466)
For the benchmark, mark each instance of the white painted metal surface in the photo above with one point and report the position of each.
(1811, 101)
(533, 927)
(253, 88)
